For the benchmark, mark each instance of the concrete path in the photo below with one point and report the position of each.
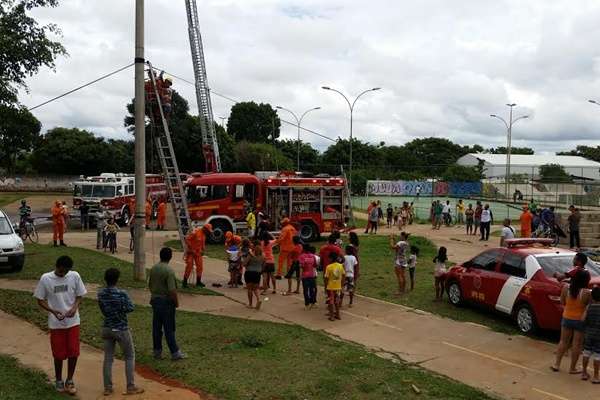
(512, 367)
(31, 347)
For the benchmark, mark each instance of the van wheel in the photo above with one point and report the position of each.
(218, 233)
(308, 231)
(525, 319)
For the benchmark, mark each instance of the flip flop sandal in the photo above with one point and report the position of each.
(596, 382)
(585, 377)
(553, 368)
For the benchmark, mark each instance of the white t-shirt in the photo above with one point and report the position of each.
(508, 232)
(401, 250)
(61, 293)
(486, 215)
(349, 263)
(412, 261)
(446, 209)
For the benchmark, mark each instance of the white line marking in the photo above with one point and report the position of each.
(549, 394)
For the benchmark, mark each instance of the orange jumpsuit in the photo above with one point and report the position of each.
(286, 246)
(526, 218)
(195, 242)
(148, 212)
(58, 222)
(162, 215)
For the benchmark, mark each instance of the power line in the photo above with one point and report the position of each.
(82, 86)
(237, 101)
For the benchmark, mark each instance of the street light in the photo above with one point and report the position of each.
(298, 122)
(351, 105)
(509, 126)
(594, 102)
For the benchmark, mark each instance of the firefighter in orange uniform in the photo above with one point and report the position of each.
(148, 213)
(58, 223)
(195, 241)
(162, 216)
(286, 245)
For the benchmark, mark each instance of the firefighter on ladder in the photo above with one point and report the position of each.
(195, 241)
(58, 223)
(165, 93)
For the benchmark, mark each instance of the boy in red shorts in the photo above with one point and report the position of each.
(60, 292)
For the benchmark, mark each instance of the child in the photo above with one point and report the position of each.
(591, 344)
(350, 263)
(111, 230)
(244, 257)
(412, 264)
(440, 272)
(396, 215)
(308, 265)
(401, 260)
(295, 267)
(354, 242)
(115, 304)
(233, 264)
(266, 243)
(334, 276)
(254, 266)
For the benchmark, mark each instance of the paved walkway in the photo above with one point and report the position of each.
(513, 367)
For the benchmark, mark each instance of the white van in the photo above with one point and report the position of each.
(12, 250)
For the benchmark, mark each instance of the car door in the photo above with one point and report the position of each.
(515, 276)
(476, 278)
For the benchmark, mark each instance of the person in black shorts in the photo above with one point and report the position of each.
(254, 266)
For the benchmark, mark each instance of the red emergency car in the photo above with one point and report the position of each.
(517, 280)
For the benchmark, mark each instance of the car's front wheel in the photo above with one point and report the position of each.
(455, 293)
(525, 318)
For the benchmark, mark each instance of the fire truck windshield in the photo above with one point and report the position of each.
(93, 190)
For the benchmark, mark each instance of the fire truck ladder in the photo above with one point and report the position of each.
(210, 146)
(168, 162)
(348, 197)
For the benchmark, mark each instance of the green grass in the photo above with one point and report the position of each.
(239, 359)
(22, 383)
(11, 197)
(379, 281)
(90, 264)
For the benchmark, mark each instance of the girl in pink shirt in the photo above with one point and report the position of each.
(308, 266)
(266, 243)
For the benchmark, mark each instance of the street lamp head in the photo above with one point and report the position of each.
(279, 107)
(317, 108)
(325, 87)
(593, 101)
(493, 115)
(525, 116)
(512, 105)
(377, 88)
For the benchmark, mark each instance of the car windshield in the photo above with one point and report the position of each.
(564, 263)
(5, 227)
(90, 190)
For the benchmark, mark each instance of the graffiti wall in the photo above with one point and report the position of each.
(424, 188)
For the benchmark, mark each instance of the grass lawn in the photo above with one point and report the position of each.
(22, 383)
(11, 197)
(90, 264)
(242, 359)
(379, 281)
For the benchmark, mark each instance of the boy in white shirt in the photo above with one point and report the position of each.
(60, 292)
(508, 232)
(350, 263)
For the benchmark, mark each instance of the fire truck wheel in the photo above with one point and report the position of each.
(219, 229)
(308, 231)
(124, 216)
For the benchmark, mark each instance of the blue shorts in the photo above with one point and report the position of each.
(574, 324)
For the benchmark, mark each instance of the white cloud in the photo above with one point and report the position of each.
(443, 66)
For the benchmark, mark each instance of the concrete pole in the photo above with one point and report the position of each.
(508, 151)
(139, 256)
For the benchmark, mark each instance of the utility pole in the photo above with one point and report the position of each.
(139, 256)
(298, 122)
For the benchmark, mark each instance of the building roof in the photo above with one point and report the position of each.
(536, 160)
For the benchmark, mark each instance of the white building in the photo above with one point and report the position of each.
(494, 165)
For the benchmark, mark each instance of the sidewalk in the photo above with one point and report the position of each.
(512, 367)
(31, 347)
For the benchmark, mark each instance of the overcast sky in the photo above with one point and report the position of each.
(443, 66)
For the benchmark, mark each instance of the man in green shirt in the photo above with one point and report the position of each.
(164, 301)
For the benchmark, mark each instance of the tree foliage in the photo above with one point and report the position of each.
(25, 45)
(251, 157)
(461, 173)
(513, 150)
(589, 152)
(554, 173)
(252, 122)
(19, 132)
(309, 156)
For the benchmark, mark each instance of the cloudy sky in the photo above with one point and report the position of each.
(444, 66)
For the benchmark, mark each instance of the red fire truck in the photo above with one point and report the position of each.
(115, 192)
(316, 204)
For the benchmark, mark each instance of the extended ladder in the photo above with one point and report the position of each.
(348, 198)
(168, 162)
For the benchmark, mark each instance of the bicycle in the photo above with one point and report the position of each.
(28, 231)
(112, 242)
(546, 232)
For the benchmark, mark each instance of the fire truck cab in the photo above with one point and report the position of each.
(315, 204)
(115, 193)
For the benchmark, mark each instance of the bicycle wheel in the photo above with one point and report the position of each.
(33, 235)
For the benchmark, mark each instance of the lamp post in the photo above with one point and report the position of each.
(351, 105)
(509, 126)
(594, 102)
(298, 122)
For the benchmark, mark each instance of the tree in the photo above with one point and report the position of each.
(363, 154)
(309, 156)
(25, 45)
(435, 154)
(554, 173)
(253, 122)
(19, 132)
(226, 149)
(461, 173)
(513, 150)
(74, 151)
(252, 157)
(589, 152)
